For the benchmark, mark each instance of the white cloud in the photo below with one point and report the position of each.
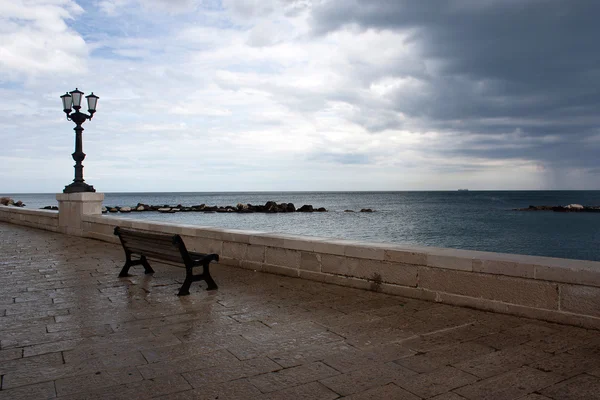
(35, 39)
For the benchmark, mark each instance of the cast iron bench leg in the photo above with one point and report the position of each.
(185, 288)
(125, 270)
(212, 285)
(147, 268)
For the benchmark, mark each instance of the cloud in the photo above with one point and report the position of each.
(115, 7)
(304, 95)
(35, 38)
(489, 68)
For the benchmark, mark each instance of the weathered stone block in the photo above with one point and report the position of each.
(405, 256)
(255, 253)
(235, 250)
(337, 247)
(203, 245)
(503, 267)
(234, 262)
(385, 272)
(449, 261)
(580, 299)
(588, 277)
(280, 270)
(255, 266)
(525, 292)
(339, 265)
(366, 251)
(310, 261)
(267, 240)
(283, 257)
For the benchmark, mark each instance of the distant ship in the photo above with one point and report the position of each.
(463, 190)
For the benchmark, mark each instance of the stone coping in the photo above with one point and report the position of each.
(20, 210)
(579, 272)
(80, 197)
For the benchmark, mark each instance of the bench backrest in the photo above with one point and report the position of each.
(155, 245)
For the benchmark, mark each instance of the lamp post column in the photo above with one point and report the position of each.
(79, 155)
(78, 184)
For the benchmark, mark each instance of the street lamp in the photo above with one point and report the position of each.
(74, 99)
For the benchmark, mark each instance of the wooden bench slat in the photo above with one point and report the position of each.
(149, 235)
(140, 244)
(174, 257)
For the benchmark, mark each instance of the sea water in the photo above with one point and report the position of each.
(476, 220)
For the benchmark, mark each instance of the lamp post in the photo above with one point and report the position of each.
(74, 99)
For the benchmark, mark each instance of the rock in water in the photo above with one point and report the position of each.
(125, 209)
(575, 207)
(306, 208)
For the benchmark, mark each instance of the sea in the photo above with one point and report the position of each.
(474, 220)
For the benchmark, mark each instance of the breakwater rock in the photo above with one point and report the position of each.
(268, 207)
(568, 208)
(7, 201)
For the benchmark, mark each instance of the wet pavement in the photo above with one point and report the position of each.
(70, 328)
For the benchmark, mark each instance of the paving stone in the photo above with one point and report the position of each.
(511, 385)
(567, 339)
(501, 361)
(577, 388)
(535, 396)
(566, 364)
(168, 385)
(363, 359)
(240, 389)
(436, 382)
(99, 379)
(360, 380)
(31, 363)
(191, 363)
(40, 391)
(446, 337)
(516, 336)
(448, 396)
(230, 372)
(309, 354)
(292, 377)
(389, 391)
(10, 354)
(435, 359)
(308, 391)
(58, 346)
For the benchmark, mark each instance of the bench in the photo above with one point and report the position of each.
(164, 247)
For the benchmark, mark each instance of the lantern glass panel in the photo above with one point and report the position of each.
(76, 94)
(92, 100)
(67, 100)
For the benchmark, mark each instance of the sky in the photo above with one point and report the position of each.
(302, 95)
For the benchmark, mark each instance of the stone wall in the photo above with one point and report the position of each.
(41, 219)
(552, 289)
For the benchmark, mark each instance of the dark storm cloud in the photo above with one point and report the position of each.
(495, 67)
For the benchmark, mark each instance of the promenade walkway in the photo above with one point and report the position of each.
(70, 328)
